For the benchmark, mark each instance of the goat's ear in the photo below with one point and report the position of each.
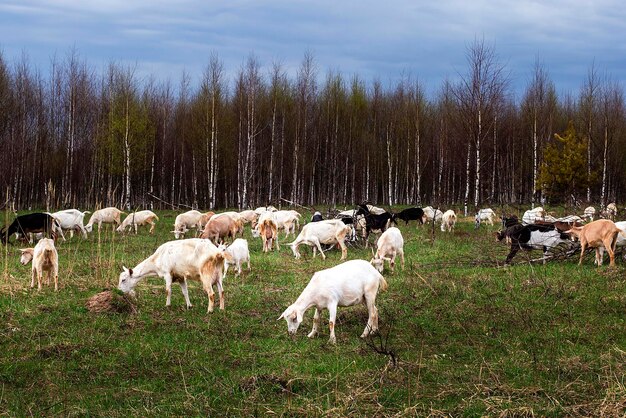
(282, 315)
(298, 316)
(130, 272)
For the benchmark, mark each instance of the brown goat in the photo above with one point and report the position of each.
(269, 234)
(218, 228)
(596, 234)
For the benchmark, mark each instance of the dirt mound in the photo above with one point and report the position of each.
(111, 301)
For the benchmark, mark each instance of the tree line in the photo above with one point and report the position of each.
(77, 137)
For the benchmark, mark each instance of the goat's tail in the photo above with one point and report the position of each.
(48, 255)
(86, 212)
(622, 232)
(156, 217)
(383, 284)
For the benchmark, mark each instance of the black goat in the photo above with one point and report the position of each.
(410, 214)
(317, 216)
(31, 223)
(528, 237)
(373, 222)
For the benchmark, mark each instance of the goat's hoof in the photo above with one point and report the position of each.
(312, 334)
(332, 341)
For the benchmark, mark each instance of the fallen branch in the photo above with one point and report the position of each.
(295, 204)
(174, 206)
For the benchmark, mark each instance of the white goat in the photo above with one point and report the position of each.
(347, 284)
(389, 245)
(137, 219)
(239, 254)
(487, 215)
(187, 220)
(104, 216)
(332, 231)
(431, 214)
(531, 215)
(287, 220)
(70, 219)
(448, 220)
(589, 213)
(177, 261)
(45, 259)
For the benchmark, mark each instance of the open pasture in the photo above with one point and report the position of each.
(459, 336)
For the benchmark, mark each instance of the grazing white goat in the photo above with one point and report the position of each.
(45, 259)
(104, 216)
(347, 284)
(314, 234)
(487, 215)
(448, 220)
(70, 219)
(178, 261)
(249, 216)
(431, 214)
(187, 220)
(239, 254)
(589, 213)
(287, 220)
(531, 215)
(137, 219)
(389, 245)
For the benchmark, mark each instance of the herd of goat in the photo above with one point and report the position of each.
(206, 257)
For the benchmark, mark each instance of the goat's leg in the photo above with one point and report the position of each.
(583, 247)
(514, 250)
(401, 252)
(316, 241)
(208, 288)
(39, 279)
(344, 248)
(372, 321)
(32, 274)
(316, 324)
(610, 250)
(152, 225)
(56, 279)
(332, 316)
(220, 292)
(185, 290)
(168, 289)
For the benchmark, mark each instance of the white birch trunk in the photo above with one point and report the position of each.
(604, 161)
(477, 185)
(127, 156)
(467, 176)
(535, 161)
(389, 168)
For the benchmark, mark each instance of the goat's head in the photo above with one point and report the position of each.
(127, 281)
(293, 318)
(27, 255)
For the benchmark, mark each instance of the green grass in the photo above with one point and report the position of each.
(470, 338)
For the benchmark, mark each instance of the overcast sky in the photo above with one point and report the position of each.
(384, 38)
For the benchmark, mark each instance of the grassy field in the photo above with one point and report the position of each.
(460, 336)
